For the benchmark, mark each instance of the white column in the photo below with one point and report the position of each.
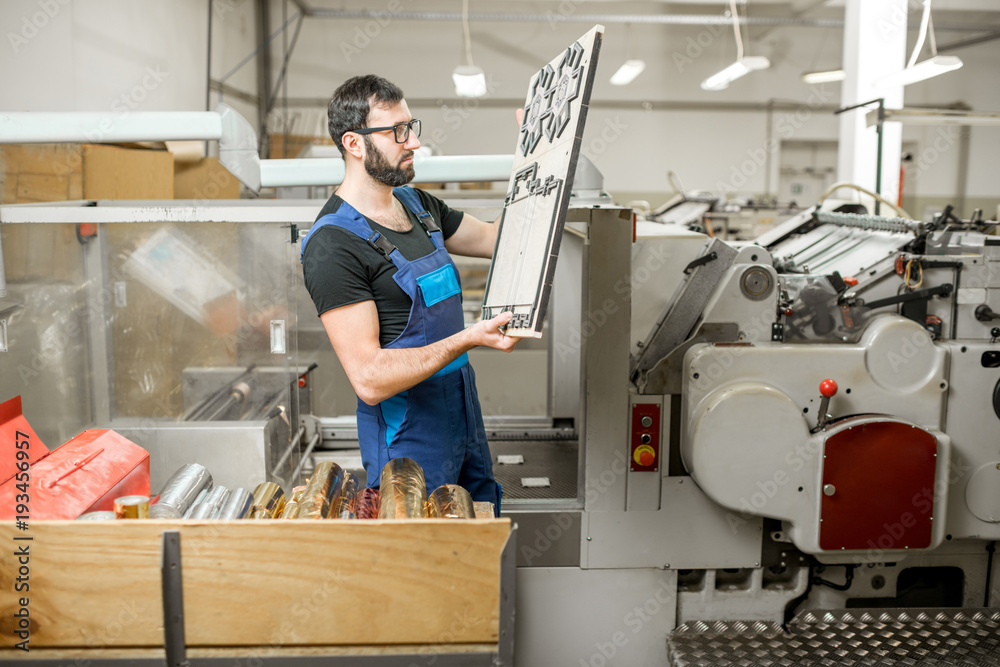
(874, 46)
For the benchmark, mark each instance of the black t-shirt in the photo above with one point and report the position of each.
(340, 268)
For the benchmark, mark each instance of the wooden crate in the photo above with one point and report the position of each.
(358, 585)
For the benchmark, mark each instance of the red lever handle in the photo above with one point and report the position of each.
(827, 388)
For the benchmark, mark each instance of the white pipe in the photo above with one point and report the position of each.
(39, 127)
(433, 169)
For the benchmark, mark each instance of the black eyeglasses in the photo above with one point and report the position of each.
(401, 130)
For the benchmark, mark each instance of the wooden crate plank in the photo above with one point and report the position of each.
(287, 583)
(97, 653)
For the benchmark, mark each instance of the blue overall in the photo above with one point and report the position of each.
(438, 422)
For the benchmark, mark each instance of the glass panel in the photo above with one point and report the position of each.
(162, 332)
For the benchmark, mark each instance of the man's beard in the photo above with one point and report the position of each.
(379, 168)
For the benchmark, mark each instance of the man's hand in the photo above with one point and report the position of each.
(486, 333)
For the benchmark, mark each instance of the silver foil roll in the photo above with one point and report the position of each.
(403, 492)
(105, 515)
(197, 501)
(209, 507)
(236, 506)
(181, 491)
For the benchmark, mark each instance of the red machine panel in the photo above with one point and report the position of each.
(878, 488)
(644, 452)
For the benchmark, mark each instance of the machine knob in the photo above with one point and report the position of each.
(827, 388)
(645, 438)
(644, 455)
(829, 489)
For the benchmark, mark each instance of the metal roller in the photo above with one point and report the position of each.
(450, 501)
(181, 491)
(403, 493)
(105, 515)
(236, 506)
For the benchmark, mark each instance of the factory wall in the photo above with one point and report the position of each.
(119, 56)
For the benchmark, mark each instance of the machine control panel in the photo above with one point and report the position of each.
(645, 440)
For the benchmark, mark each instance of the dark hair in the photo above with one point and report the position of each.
(352, 101)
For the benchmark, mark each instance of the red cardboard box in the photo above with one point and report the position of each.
(16, 435)
(84, 475)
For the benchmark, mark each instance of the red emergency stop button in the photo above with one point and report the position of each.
(644, 455)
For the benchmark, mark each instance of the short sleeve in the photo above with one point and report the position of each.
(335, 271)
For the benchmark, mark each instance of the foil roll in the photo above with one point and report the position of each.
(181, 491)
(209, 507)
(450, 501)
(298, 492)
(290, 511)
(345, 502)
(197, 501)
(268, 501)
(366, 504)
(403, 493)
(103, 515)
(323, 492)
(237, 506)
(132, 507)
(484, 509)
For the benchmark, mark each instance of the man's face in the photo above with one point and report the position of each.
(385, 160)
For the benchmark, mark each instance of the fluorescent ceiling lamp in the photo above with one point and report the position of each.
(721, 80)
(925, 70)
(627, 72)
(828, 76)
(470, 81)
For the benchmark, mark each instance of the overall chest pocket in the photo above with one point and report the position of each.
(438, 285)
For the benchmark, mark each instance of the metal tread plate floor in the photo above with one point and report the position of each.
(882, 637)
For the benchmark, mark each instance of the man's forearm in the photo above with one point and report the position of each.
(395, 370)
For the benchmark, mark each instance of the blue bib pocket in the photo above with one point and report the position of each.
(438, 285)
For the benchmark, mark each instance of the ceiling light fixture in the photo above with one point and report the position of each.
(470, 80)
(742, 66)
(826, 76)
(632, 68)
(927, 69)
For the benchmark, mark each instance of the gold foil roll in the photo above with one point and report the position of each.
(268, 501)
(345, 501)
(132, 507)
(403, 492)
(450, 501)
(484, 509)
(326, 483)
(298, 492)
(291, 509)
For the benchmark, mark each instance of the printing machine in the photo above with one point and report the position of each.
(701, 465)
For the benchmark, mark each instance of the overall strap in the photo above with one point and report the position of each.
(348, 218)
(411, 200)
